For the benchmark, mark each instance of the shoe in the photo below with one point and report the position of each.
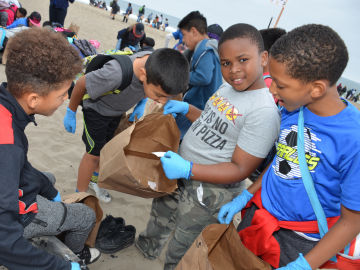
(110, 225)
(89, 255)
(101, 193)
(116, 241)
(143, 247)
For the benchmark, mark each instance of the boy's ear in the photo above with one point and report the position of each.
(264, 58)
(142, 74)
(31, 100)
(318, 88)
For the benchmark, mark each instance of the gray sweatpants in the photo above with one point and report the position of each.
(53, 218)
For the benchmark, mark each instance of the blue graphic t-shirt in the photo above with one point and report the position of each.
(332, 146)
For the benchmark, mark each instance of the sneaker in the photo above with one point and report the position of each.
(116, 241)
(101, 193)
(89, 255)
(110, 225)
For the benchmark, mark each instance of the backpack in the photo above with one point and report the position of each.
(98, 61)
(4, 4)
(85, 47)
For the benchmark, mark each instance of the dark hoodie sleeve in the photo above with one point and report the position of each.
(15, 251)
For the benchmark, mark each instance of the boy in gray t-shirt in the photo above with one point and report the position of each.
(153, 77)
(226, 142)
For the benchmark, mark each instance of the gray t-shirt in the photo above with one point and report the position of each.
(248, 119)
(108, 78)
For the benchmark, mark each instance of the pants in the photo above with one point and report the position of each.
(57, 14)
(180, 217)
(75, 220)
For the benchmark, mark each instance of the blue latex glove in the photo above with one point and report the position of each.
(70, 120)
(175, 166)
(299, 264)
(57, 198)
(175, 107)
(75, 266)
(132, 48)
(138, 110)
(228, 211)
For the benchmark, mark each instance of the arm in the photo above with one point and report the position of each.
(193, 114)
(78, 93)
(240, 167)
(16, 23)
(343, 232)
(204, 68)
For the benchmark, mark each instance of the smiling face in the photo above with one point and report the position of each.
(292, 93)
(242, 64)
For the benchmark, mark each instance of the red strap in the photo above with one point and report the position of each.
(6, 130)
(258, 237)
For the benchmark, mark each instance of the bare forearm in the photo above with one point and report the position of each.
(77, 94)
(343, 232)
(221, 173)
(193, 113)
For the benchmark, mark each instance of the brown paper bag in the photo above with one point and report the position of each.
(126, 162)
(93, 203)
(219, 247)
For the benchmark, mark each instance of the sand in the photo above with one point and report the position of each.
(55, 150)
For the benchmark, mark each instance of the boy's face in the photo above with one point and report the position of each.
(291, 93)
(191, 38)
(156, 93)
(47, 105)
(242, 64)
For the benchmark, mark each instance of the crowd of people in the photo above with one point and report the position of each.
(252, 101)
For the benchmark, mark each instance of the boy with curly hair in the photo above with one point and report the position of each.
(40, 68)
(282, 222)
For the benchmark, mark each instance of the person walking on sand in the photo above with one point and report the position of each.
(115, 8)
(141, 13)
(58, 10)
(127, 13)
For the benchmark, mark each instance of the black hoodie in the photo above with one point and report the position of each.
(20, 183)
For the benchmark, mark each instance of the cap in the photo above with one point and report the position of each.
(215, 31)
(138, 30)
(35, 18)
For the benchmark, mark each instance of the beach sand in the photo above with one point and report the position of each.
(55, 150)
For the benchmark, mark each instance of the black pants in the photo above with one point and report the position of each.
(57, 14)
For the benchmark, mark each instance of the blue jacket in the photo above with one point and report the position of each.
(63, 4)
(19, 22)
(205, 78)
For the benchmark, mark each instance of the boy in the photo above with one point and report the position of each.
(225, 143)
(30, 204)
(305, 65)
(205, 73)
(31, 21)
(270, 35)
(159, 76)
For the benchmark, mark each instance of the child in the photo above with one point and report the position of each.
(205, 74)
(305, 65)
(159, 76)
(30, 204)
(225, 143)
(9, 15)
(148, 44)
(32, 21)
(270, 35)
(127, 13)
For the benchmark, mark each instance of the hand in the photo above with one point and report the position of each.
(75, 266)
(132, 48)
(228, 211)
(174, 106)
(57, 198)
(299, 264)
(138, 110)
(70, 120)
(175, 166)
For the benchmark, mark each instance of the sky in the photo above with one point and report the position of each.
(341, 15)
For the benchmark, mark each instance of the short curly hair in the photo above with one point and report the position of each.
(39, 61)
(243, 30)
(312, 52)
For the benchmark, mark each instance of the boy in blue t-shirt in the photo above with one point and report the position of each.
(305, 65)
(205, 73)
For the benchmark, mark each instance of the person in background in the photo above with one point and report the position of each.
(58, 10)
(127, 13)
(148, 44)
(141, 13)
(31, 21)
(9, 15)
(115, 8)
(131, 37)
